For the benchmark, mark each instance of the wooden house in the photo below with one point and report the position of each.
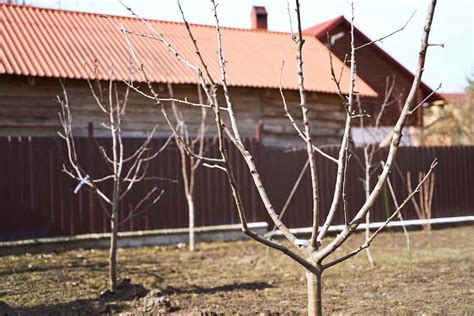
(375, 66)
(41, 46)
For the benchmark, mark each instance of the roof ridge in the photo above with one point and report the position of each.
(68, 11)
(320, 28)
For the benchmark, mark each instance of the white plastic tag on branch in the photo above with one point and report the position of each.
(83, 181)
(301, 242)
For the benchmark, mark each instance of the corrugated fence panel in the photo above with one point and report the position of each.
(37, 198)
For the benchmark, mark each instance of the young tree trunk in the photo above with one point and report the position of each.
(113, 254)
(367, 216)
(315, 306)
(367, 237)
(190, 201)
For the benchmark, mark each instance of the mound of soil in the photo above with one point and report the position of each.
(155, 302)
(144, 301)
(126, 291)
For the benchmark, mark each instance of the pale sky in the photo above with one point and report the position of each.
(453, 25)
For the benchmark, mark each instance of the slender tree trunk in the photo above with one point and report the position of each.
(367, 216)
(315, 306)
(190, 200)
(113, 254)
(367, 237)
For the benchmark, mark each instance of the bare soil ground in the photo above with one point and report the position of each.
(245, 278)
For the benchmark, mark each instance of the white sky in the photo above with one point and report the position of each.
(453, 25)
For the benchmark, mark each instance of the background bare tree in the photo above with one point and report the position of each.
(124, 172)
(194, 140)
(314, 253)
(425, 198)
(371, 142)
(400, 217)
(373, 139)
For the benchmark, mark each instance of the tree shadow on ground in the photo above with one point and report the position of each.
(76, 307)
(107, 302)
(248, 286)
(95, 266)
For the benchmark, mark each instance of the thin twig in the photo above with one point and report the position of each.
(380, 39)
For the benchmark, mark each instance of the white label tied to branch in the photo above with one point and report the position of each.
(301, 242)
(81, 183)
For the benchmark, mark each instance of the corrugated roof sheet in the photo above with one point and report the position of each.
(54, 43)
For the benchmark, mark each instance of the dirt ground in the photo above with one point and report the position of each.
(245, 278)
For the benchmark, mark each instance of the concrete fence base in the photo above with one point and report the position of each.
(131, 239)
(409, 224)
(209, 233)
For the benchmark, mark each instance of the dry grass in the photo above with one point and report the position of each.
(244, 277)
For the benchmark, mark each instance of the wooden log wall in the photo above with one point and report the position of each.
(28, 107)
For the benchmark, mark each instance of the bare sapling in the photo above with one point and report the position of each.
(370, 145)
(423, 205)
(400, 217)
(194, 140)
(316, 254)
(124, 171)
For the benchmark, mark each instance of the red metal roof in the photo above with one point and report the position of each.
(320, 31)
(54, 43)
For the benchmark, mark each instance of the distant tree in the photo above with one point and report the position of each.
(195, 141)
(124, 171)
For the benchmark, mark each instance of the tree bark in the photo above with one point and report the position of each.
(191, 222)
(367, 237)
(315, 306)
(368, 165)
(113, 254)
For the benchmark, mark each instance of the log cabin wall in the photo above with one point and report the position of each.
(326, 114)
(28, 107)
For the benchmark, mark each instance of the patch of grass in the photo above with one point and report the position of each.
(245, 277)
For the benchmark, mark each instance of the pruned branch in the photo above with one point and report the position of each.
(339, 190)
(424, 100)
(292, 120)
(136, 210)
(389, 219)
(299, 41)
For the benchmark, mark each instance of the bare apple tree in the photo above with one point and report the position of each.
(369, 151)
(373, 140)
(125, 171)
(370, 145)
(314, 254)
(189, 163)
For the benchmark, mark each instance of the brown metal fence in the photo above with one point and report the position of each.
(37, 199)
